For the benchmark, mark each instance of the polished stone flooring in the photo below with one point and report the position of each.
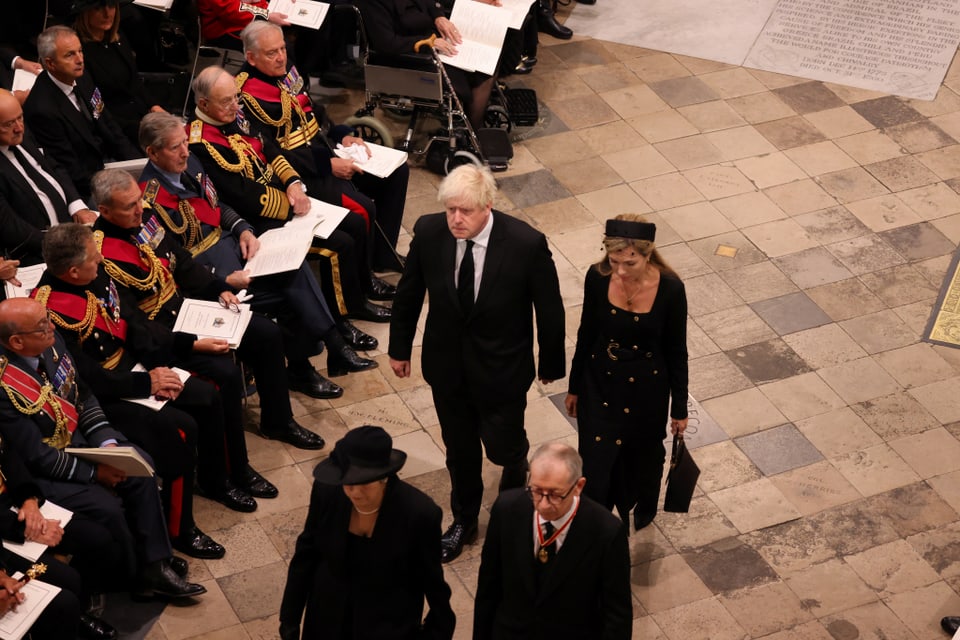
(813, 224)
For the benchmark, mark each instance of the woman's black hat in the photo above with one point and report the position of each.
(631, 229)
(365, 454)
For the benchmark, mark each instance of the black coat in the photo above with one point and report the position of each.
(404, 548)
(491, 350)
(583, 593)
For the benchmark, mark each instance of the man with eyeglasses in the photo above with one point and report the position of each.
(44, 408)
(555, 564)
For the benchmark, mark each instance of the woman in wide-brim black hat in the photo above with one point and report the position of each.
(369, 553)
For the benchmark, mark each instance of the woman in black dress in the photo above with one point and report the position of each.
(629, 366)
(369, 553)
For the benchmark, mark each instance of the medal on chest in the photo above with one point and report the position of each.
(242, 121)
(64, 378)
(112, 303)
(151, 234)
(292, 82)
(96, 104)
(209, 191)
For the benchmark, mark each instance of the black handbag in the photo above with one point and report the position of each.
(681, 479)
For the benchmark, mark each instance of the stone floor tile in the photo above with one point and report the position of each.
(698, 220)
(892, 568)
(646, 545)
(791, 547)
(718, 181)
(759, 281)
(703, 524)
(612, 201)
(918, 242)
(706, 620)
(606, 138)
(253, 593)
(586, 175)
(939, 546)
(665, 583)
(660, 126)
(820, 158)
(709, 251)
(949, 226)
(887, 111)
(942, 399)
(632, 101)
(895, 415)
(294, 488)
(870, 147)
(740, 142)
(586, 111)
(714, 375)
(811, 268)
(708, 294)
(922, 608)
(766, 609)
(711, 116)
(210, 613)
(749, 209)
(248, 547)
(566, 214)
(699, 343)
(656, 67)
(865, 254)
(859, 380)
(754, 505)
(778, 449)
(830, 587)
(808, 631)
(552, 151)
(533, 188)
(686, 263)
(606, 77)
(729, 565)
(875, 469)
(845, 299)
(815, 487)
(667, 191)
(838, 122)
(790, 313)
(646, 627)
(580, 247)
(283, 529)
(770, 170)
(583, 53)
(809, 97)
(788, 133)
(760, 107)
(780, 237)
(800, 196)
(680, 92)
(689, 152)
(932, 201)
(830, 225)
(638, 163)
(388, 412)
(915, 365)
(917, 137)
(899, 174)
(735, 327)
(946, 101)
(874, 620)
(824, 346)
(732, 83)
(764, 362)
(723, 465)
(944, 162)
(914, 315)
(236, 632)
(744, 412)
(838, 432)
(899, 285)
(802, 396)
(851, 185)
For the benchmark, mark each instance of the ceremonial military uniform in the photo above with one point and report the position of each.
(151, 270)
(256, 188)
(107, 342)
(45, 408)
(281, 109)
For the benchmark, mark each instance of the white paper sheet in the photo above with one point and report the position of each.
(518, 11)
(304, 13)
(483, 28)
(381, 162)
(23, 80)
(37, 595)
(322, 219)
(33, 550)
(28, 277)
(208, 319)
(152, 402)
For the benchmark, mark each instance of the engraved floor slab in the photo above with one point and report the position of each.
(779, 449)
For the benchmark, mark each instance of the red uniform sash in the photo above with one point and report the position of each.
(75, 307)
(116, 249)
(27, 386)
(271, 93)
(201, 206)
(213, 135)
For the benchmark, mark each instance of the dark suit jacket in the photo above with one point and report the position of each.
(491, 350)
(405, 559)
(65, 134)
(22, 215)
(583, 593)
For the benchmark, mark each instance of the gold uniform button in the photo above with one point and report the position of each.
(597, 438)
(636, 318)
(631, 379)
(654, 372)
(649, 354)
(613, 312)
(619, 442)
(626, 410)
(605, 404)
(609, 373)
(96, 334)
(634, 347)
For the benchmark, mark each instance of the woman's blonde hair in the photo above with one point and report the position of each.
(82, 26)
(646, 248)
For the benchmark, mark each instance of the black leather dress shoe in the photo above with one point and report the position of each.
(93, 628)
(345, 360)
(950, 624)
(312, 384)
(197, 544)
(642, 519)
(524, 66)
(180, 566)
(297, 436)
(371, 312)
(547, 23)
(380, 289)
(355, 338)
(453, 539)
(159, 579)
(232, 497)
(587, 1)
(258, 486)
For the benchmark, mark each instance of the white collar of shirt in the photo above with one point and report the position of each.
(482, 239)
(66, 88)
(174, 178)
(558, 524)
(480, 242)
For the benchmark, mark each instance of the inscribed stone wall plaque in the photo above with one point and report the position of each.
(895, 46)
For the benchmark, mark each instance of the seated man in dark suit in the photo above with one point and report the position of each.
(67, 114)
(35, 193)
(555, 563)
(45, 408)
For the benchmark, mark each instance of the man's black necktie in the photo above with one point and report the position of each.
(465, 280)
(41, 368)
(59, 205)
(548, 551)
(81, 104)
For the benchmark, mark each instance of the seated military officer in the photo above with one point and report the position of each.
(45, 408)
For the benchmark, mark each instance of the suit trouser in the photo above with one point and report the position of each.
(389, 194)
(466, 421)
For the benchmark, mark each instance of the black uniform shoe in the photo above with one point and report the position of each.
(381, 289)
(197, 544)
(950, 624)
(355, 338)
(232, 497)
(371, 312)
(258, 486)
(297, 436)
(453, 539)
(180, 566)
(547, 22)
(345, 360)
(312, 384)
(159, 579)
(92, 628)
(525, 66)
(642, 519)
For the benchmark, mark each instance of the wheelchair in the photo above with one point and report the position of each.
(416, 87)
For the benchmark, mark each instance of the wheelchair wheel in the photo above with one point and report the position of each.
(371, 130)
(459, 157)
(497, 117)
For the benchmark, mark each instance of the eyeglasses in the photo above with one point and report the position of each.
(232, 306)
(537, 495)
(226, 102)
(47, 326)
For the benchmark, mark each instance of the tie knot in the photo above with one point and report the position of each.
(470, 244)
(548, 529)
